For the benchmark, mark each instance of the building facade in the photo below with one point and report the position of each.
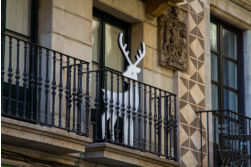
(74, 94)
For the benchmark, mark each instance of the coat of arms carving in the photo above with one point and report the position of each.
(172, 39)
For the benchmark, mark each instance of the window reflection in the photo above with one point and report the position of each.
(229, 44)
(213, 36)
(230, 74)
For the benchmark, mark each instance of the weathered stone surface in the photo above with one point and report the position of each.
(172, 39)
(114, 155)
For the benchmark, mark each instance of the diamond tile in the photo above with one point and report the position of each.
(189, 159)
(197, 94)
(196, 6)
(182, 88)
(191, 22)
(183, 135)
(188, 113)
(196, 48)
(196, 139)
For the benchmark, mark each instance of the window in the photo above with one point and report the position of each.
(19, 20)
(105, 52)
(225, 43)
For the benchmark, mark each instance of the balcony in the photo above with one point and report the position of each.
(49, 92)
(228, 139)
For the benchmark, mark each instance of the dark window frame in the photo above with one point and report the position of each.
(32, 38)
(239, 62)
(106, 18)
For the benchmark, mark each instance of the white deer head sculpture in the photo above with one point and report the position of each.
(131, 72)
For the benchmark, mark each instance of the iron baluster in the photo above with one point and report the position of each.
(53, 87)
(32, 81)
(60, 92)
(165, 125)
(117, 111)
(25, 80)
(159, 123)
(175, 147)
(145, 119)
(97, 106)
(170, 124)
(155, 122)
(67, 95)
(17, 79)
(105, 105)
(129, 112)
(87, 98)
(39, 82)
(139, 116)
(150, 119)
(79, 99)
(47, 89)
(123, 108)
(10, 75)
(74, 93)
(134, 114)
(111, 108)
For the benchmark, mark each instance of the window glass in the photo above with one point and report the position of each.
(215, 97)
(230, 73)
(214, 67)
(213, 36)
(17, 16)
(113, 56)
(229, 44)
(230, 100)
(96, 40)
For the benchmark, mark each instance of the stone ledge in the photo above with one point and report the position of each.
(114, 155)
(42, 138)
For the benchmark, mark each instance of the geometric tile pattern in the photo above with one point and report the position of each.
(191, 86)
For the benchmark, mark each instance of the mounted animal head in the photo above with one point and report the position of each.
(132, 70)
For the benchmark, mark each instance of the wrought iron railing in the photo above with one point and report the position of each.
(45, 87)
(230, 135)
(133, 114)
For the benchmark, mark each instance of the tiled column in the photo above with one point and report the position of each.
(191, 87)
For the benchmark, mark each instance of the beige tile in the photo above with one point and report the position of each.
(196, 139)
(147, 76)
(191, 22)
(183, 135)
(201, 27)
(71, 47)
(81, 8)
(197, 94)
(182, 89)
(196, 48)
(188, 113)
(72, 26)
(202, 73)
(189, 159)
(150, 35)
(148, 58)
(196, 6)
(192, 68)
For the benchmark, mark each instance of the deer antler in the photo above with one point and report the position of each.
(123, 48)
(141, 54)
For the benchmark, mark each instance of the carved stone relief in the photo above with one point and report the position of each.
(172, 39)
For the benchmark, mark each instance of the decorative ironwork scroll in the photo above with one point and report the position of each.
(172, 40)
